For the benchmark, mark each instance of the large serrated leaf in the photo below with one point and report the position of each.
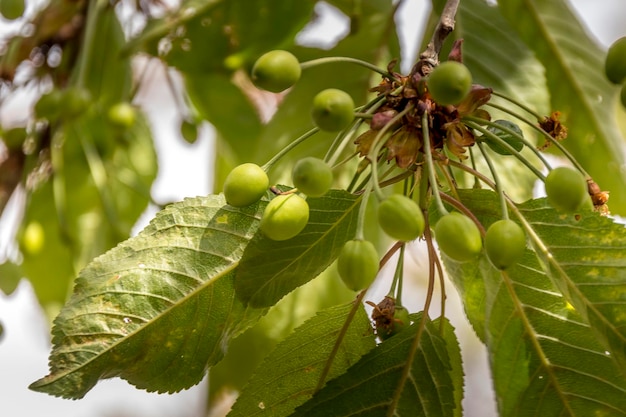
(160, 307)
(270, 269)
(289, 375)
(546, 358)
(578, 86)
(367, 388)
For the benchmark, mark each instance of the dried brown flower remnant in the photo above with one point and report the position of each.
(598, 197)
(552, 125)
(384, 312)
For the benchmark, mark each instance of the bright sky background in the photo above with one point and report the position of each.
(185, 170)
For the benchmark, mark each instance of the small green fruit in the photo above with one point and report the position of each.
(458, 237)
(189, 131)
(245, 184)
(276, 71)
(33, 238)
(449, 83)
(312, 176)
(49, 105)
(505, 243)
(615, 63)
(566, 189)
(75, 101)
(122, 115)
(284, 217)
(400, 322)
(12, 9)
(401, 218)
(333, 110)
(358, 264)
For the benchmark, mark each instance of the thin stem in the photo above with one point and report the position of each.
(344, 59)
(496, 179)
(461, 207)
(397, 277)
(512, 133)
(94, 10)
(288, 148)
(430, 167)
(518, 104)
(362, 209)
(519, 156)
(545, 134)
(377, 146)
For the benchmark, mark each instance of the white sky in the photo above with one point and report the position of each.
(185, 170)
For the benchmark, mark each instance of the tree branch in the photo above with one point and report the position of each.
(429, 59)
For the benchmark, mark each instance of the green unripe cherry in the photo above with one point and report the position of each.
(12, 9)
(333, 110)
(449, 83)
(312, 176)
(189, 131)
(284, 217)
(505, 243)
(276, 71)
(401, 218)
(122, 115)
(458, 237)
(245, 184)
(400, 322)
(615, 63)
(566, 189)
(358, 264)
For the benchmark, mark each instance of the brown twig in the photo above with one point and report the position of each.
(429, 59)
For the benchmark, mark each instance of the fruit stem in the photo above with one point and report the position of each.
(396, 286)
(496, 179)
(377, 145)
(461, 207)
(430, 164)
(345, 59)
(343, 139)
(268, 165)
(545, 134)
(512, 133)
(519, 156)
(518, 104)
(362, 209)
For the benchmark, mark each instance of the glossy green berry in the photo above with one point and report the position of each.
(458, 237)
(122, 115)
(276, 71)
(449, 83)
(358, 264)
(33, 238)
(400, 322)
(189, 131)
(49, 105)
(245, 185)
(566, 189)
(615, 63)
(75, 101)
(284, 217)
(12, 9)
(312, 176)
(401, 218)
(505, 243)
(333, 110)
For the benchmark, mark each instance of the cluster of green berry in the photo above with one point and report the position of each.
(438, 94)
(615, 66)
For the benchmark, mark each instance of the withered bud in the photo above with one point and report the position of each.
(380, 120)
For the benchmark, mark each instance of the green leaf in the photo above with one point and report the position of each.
(368, 387)
(289, 375)
(142, 310)
(271, 269)
(554, 329)
(578, 87)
